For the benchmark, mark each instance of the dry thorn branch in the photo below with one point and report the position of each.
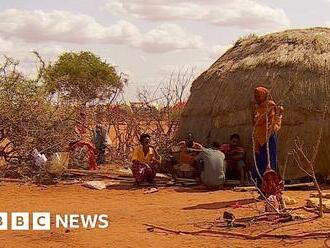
(213, 233)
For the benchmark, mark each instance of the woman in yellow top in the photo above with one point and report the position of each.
(146, 160)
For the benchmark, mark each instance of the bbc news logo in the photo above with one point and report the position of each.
(41, 221)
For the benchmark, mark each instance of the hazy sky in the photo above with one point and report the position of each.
(146, 39)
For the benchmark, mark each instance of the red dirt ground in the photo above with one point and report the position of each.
(129, 209)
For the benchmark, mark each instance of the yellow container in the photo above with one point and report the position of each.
(58, 163)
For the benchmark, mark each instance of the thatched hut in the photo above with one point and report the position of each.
(293, 65)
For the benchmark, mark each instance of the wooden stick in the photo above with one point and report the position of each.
(309, 235)
(311, 162)
(13, 180)
(86, 171)
(291, 224)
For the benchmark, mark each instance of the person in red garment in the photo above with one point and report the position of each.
(236, 166)
(146, 160)
(91, 152)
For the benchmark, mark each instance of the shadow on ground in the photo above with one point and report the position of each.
(220, 205)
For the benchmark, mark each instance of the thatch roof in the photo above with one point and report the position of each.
(292, 64)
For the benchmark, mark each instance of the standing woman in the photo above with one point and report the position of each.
(267, 118)
(146, 160)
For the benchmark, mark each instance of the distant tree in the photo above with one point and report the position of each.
(83, 78)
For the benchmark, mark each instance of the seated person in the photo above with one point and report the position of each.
(146, 160)
(235, 159)
(211, 166)
(186, 166)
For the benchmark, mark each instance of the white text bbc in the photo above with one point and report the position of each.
(42, 221)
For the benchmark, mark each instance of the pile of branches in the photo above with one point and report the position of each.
(127, 123)
(157, 112)
(33, 118)
(29, 120)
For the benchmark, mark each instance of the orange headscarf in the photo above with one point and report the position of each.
(263, 92)
(265, 119)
